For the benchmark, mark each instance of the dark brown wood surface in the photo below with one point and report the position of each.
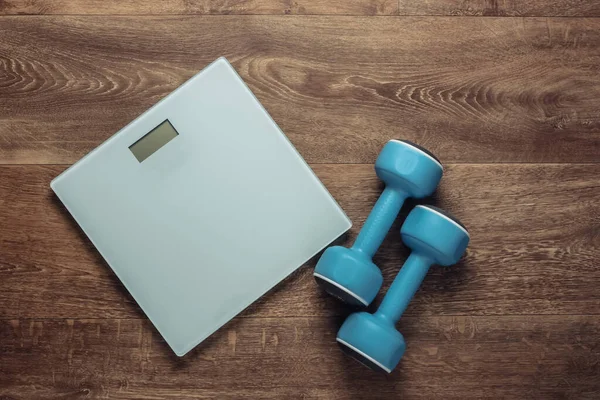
(501, 8)
(498, 8)
(495, 90)
(161, 7)
(511, 105)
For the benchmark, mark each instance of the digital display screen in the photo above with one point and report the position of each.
(153, 140)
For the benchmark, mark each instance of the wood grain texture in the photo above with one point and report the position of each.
(535, 243)
(510, 105)
(531, 357)
(501, 8)
(494, 90)
(160, 7)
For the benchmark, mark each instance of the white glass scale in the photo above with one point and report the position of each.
(200, 205)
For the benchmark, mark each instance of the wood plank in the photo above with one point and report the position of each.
(469, 357)
(494, 90)
(501, 8)
(536, 8)
(141, 7)
(535, 244)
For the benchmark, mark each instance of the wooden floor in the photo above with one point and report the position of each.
(506, 93)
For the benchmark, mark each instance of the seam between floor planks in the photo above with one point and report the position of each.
(318, 317)
(435, 8)
(198, 15)
(257, 15)
(299, 16)
(344, 163)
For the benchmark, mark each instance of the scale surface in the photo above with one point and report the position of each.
(200, 205)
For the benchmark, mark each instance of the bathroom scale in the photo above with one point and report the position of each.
(200, 205)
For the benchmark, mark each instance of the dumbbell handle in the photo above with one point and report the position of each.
(404, 287)
(379, 221)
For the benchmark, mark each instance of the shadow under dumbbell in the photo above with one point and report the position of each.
(374, 384)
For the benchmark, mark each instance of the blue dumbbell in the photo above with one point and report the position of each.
(408, 170)
(435, 237)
